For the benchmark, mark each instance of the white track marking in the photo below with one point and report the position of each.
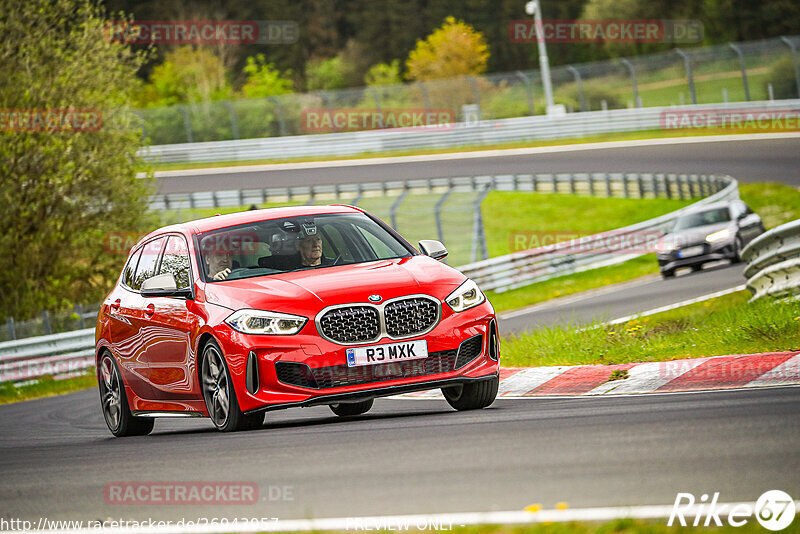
(472, 154)
(646, 377)
(416, 523)
(528, 379)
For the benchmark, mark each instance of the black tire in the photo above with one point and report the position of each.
(668, 274)
(344, 409)
(697, 268)
(472, 395)
(114, 402)
(737, 250)
(220, 395)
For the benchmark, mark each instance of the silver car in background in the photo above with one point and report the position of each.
(712, 232)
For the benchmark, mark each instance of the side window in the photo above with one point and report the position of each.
(737, 210)
(130, 268)
(334, 244)
(148, 263)
(380, 248)
(176, 261)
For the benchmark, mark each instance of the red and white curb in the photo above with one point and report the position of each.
(696, 374)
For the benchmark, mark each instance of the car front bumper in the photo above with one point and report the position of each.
(312, 355)
(722, 250)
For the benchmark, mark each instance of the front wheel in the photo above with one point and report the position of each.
(737, 250)
(121, 422)
(351, 408)
(472, 395)
(219, 395)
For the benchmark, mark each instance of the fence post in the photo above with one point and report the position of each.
(187, 122)
(359, 193)
(437, 213)
(687, 63)
(579, 83)
(279, 113)
(234, 122)
(474, 85)
(743, 68)
(375, 96)
(46, 322)
(79, 312)
(609, 192)
(478, 234)
(12, 331)
(793, 48)
(528, 90)
(637, 102)
(396, 205)
(425, 97)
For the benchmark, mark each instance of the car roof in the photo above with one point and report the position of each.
(216, 222)
(707, 207)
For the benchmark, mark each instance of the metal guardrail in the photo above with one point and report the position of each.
(773, 262)
(535, 265)
(56, 354)
(480, 133)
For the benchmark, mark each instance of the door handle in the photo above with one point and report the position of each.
(150, 309)
(116, 304)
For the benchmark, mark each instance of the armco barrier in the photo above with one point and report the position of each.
(461, 134)
(526, 267)
(773, 262)
(70, 352)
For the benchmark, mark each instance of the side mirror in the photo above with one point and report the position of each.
(163, 285)
(434, 249)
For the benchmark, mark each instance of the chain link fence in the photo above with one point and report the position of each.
(757, 70)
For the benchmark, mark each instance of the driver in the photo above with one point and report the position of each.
(310, 248)
(219, 264)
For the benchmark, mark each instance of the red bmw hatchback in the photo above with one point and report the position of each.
(235, 315)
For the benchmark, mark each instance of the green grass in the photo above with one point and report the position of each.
(724, 325)
(775, 203)
(573, 283)
(45, 387)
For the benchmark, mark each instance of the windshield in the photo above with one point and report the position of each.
(293, 244)
(703, 218)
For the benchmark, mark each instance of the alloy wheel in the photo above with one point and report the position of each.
(215, 386)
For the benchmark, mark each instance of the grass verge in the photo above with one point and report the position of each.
(45, 387)
(724, 325)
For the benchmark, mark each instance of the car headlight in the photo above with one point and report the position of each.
(265, 322)
(663, 247)
(467, 296)
(719, 236)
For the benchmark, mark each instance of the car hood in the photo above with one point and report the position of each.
(307, 292)
(694, 235)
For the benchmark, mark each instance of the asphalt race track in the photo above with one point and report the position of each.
(762, 160)
(411, 456)
(628, 298)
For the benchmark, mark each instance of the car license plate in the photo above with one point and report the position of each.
(391, 352)
(691, 251)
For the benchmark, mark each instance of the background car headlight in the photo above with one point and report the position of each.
(265, 322)
(718, 236)
(467, 296)
(665, 246)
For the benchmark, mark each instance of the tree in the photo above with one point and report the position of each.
(263, 79)
(187, 75)
(454, 49)
(66, 186)
(383, 74)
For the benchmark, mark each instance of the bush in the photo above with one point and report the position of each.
(781, 76)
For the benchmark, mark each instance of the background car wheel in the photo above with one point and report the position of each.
(737, 250)
(351, 408)
(667, 274)
(114, 402)
(473, 395)
(220, 396)
(697, 268)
